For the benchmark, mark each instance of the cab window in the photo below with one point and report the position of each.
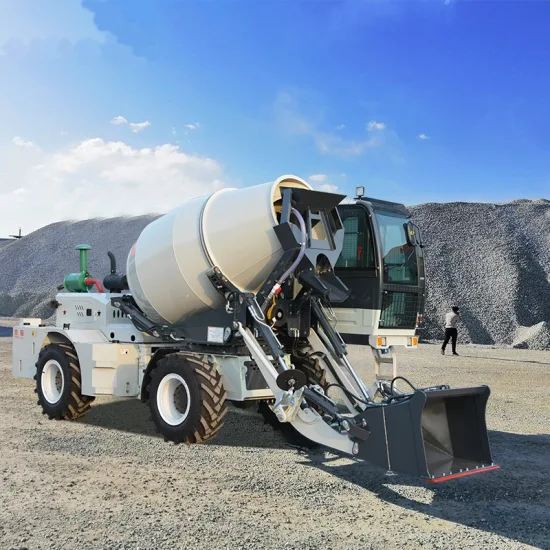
(358, 250)
(399, 257)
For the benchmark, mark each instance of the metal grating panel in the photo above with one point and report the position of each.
(399, 309)
(351, 238)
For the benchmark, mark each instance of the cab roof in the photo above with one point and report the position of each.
(378, 204)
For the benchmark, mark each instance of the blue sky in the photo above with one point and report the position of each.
(416, 100)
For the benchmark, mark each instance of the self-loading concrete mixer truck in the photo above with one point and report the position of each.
(230, 297)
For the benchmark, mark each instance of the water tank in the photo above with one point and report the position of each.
(231, 229)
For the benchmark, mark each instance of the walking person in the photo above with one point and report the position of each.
(451, 331)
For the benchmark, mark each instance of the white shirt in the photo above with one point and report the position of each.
(451, 319)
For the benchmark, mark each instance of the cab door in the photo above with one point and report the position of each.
(358, 268)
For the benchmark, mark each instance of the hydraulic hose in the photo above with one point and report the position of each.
(347, 392)
(277, 286)
(401, 378)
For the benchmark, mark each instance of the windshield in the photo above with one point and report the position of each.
(399, 258)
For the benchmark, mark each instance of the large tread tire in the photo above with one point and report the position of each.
(313, 368)
(207, 404)
(71, 404)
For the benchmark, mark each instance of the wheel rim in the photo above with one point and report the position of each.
(173, 399)
(52, 381)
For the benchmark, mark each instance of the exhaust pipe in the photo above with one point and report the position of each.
(437, 434)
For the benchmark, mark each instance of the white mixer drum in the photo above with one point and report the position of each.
(231, 229)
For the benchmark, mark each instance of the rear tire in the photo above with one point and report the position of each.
(59, 383)
(187, 399)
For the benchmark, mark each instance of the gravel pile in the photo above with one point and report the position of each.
(32, 268)
(5, 242)
(493, 260)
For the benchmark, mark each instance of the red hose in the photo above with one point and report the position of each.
(90, 282)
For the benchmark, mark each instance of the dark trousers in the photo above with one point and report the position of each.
(450, 333)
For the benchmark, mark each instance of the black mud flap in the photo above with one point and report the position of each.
(435, 434)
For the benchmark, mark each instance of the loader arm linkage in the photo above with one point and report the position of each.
(435, 433)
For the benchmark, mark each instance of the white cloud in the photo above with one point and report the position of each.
(139, 126)
(54, 20)
(326, 183)
(423, 137)
(318, 177)
(194, 126)
(20, 142)
(328, 188)
(333, 145)
(119, 120)
(373, 125)
(174, 131)
(293, 123)
(136, 181)
(135, 126)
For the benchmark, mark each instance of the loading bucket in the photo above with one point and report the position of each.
(434, 434)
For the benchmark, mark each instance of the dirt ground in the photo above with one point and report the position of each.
(107, 481)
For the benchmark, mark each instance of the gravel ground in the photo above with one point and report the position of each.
(107, 481)
(491, 259)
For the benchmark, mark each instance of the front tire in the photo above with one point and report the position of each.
(312, 367)
(59, 383)
(187, 399)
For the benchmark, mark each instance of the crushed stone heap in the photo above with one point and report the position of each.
(492, 260)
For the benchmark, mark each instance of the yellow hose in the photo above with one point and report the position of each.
(268, 314)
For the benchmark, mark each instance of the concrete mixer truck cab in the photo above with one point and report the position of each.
(382, 263)
(228, 298)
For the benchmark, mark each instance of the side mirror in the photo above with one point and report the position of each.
(413, 235)
(410, 233)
